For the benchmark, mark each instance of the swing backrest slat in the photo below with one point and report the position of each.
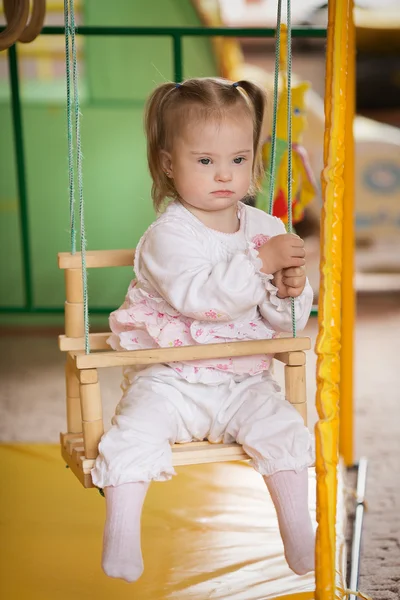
(97, 259)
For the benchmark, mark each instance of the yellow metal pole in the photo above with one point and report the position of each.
(348, 292)
(329, 336)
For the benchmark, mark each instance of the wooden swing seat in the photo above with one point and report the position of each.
(84, 408)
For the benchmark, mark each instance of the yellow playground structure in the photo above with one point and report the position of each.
(218, 541)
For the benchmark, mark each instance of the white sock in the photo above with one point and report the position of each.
(122, 555)
(289, 493)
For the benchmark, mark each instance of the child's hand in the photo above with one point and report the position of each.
(282, 252)
(290, 282)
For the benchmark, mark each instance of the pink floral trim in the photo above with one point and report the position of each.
(146, 320)
(260, 239)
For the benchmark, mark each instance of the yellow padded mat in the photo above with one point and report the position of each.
(210, 533)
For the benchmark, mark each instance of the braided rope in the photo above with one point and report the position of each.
(71, 181)
(289, 136)
(272, 158)
(272, 161)
(70, 29)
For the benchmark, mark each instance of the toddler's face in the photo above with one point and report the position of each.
(211, 164)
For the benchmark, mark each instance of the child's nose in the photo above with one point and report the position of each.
(223, 175)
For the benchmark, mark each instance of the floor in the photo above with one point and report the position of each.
(32, 409)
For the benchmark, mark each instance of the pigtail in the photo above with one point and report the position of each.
(156, 140)
(258, 99)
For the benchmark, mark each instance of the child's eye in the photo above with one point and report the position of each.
(205, 161)
(238, 160)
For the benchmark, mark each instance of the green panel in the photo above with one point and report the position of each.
(119, 74)
(129, 68)
(11, 275)
(116, 191)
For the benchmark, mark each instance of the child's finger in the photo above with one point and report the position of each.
(294, 272)
(294, 282)
(293, 292)
(295, 239)
(298, 251)
(294, 262)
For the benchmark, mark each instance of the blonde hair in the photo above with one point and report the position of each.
(171, 106)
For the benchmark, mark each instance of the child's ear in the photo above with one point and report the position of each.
(166, 163)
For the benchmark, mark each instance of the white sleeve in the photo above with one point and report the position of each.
(277, 311)
(176, 263)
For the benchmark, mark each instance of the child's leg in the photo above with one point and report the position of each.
(272, 432)
(135, 451)
(289, 493)
(153, 414)
(122, 555)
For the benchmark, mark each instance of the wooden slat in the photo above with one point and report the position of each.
(97, 258)
(73, 402)
(72, 444)
(84, 478)
(204, 448)
(73, 285)
(74, 320)
(84, 464)
(78, 456)
(195, 453)
(71, 380)
(190, 453)
(98, 341)
(302, 410)
(71, 361)
(88, 376)
(295, 384)
(179, 460)
(164, 355)
(67, 437)
(207, 453)
(182, 454)
(187, 458)
(92, 433)
(195, 444)
(291, 358)
(91, 402)
(74, 417)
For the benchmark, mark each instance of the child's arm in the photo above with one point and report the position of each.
(176, 263)
(277, 311)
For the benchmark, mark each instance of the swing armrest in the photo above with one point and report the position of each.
(282, 348)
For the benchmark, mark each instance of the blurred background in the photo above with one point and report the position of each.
(116, 75)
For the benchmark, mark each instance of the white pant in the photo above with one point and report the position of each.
(159, 408)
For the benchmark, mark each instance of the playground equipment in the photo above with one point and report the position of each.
(19, 27)
(83, 393)
(334, 346)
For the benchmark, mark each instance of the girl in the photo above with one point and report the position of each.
(210, 269)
